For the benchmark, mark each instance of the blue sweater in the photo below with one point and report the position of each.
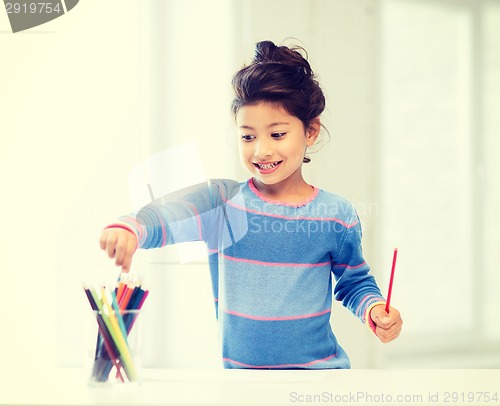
(274, 268)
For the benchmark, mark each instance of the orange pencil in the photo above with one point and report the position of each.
(119, 291)
(125, 297)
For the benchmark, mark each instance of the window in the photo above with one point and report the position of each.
(439, 68)
(489, 170)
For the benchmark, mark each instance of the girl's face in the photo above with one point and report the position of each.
(272, 143)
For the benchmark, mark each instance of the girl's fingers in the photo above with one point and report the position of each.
(103, 239)
(120, 251)
(387, 324)
(111, 245)
(389, 334)
(102, 242)
(127, 263)
(125, 249)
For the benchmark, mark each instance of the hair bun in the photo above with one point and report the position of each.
(264, 51)
(280, 75)
(267, 52)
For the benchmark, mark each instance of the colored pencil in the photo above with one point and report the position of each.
(119, 291)
(103, 339)
(117, 337)
(116, 313)
(127, 293)
(389, 293)
(113, 358)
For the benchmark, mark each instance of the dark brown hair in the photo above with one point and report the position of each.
(280, 75)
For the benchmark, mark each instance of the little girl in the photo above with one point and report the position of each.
(278, 247)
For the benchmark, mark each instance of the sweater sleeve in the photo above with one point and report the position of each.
(190, 214)
(355, 287)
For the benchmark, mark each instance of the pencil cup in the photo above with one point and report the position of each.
(116, 347)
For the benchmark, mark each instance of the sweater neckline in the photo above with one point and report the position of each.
(313, 196)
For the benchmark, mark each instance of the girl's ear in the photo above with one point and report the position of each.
(313, 131)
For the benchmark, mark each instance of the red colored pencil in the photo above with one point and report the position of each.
(389, 293)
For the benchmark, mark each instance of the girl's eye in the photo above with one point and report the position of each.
(247, 137)
(278, 135)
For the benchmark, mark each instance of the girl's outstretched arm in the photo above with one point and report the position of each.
(189, 214)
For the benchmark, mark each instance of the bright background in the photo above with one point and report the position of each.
(412, 91)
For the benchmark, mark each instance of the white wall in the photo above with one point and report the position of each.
(68, 131)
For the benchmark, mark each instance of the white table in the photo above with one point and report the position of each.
(251, 387)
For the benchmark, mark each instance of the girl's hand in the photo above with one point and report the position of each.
(120, 244)
(388, 324)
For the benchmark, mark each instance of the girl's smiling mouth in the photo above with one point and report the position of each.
(267, 167)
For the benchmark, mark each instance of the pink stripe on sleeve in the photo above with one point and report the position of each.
(350, 266)
(198, 219)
